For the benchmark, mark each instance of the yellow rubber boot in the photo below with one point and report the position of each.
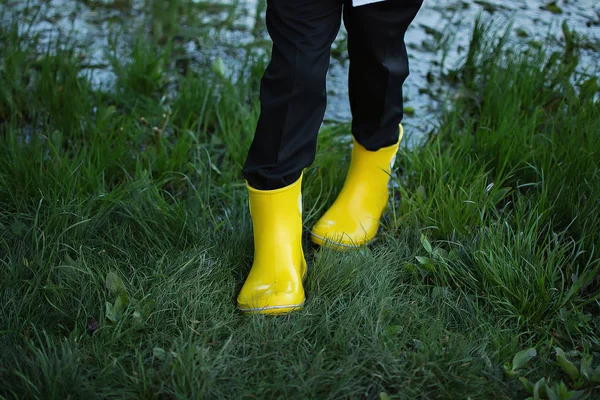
(353, 219)
(274, 284)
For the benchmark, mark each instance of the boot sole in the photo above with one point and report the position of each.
(273, 310)
(325, 242)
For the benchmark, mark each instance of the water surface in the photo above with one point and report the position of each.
(229, 30)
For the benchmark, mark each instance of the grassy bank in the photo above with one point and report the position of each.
(124, 236)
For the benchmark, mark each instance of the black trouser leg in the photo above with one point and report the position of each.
(378, 68)
(293, 93)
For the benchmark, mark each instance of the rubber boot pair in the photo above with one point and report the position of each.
(274, 284)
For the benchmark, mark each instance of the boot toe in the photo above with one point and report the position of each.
(346, 234)
(270, 303)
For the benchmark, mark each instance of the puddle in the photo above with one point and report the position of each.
(231, 29)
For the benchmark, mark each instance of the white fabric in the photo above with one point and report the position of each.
(357, 3)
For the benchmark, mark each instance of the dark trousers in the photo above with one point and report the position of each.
(293, 94)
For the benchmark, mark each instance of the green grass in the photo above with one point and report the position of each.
(489, 246)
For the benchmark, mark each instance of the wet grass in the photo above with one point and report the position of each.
(124, 237)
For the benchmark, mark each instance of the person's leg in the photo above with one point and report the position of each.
(293, 93)
(293, 100)
(378, 68)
